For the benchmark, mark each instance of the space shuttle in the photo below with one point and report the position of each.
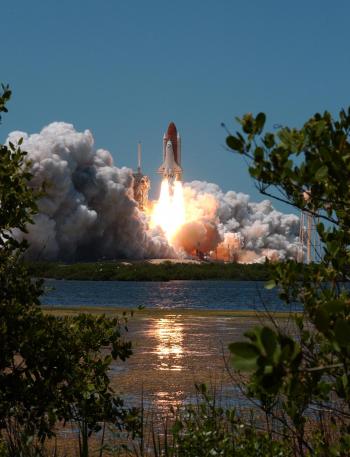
(171, 166)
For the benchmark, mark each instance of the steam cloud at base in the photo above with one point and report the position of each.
(239, 229)
(88, 211)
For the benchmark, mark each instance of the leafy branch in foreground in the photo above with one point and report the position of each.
(52, 370)
(4, 98)
(302, 378)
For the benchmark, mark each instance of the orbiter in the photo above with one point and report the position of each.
(171, 166)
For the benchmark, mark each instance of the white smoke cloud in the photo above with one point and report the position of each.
(260, 231)
(88, 210)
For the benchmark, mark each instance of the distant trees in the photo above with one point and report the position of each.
(52, 369)
(302, 377)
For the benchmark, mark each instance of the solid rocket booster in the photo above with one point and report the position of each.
(171, 166)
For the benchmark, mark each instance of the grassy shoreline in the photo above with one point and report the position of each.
(147, 271)
(160, 312)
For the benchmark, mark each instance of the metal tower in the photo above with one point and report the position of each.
(142, 183)
(309, 242)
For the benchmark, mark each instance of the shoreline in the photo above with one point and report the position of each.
(161, 312)
(150, 271)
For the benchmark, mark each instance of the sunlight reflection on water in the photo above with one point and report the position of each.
(169, 334)
(175, 351)
(162, 400)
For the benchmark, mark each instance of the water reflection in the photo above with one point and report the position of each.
(164, 400)
(168, 332)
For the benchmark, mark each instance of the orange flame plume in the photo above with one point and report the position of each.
(169, 211)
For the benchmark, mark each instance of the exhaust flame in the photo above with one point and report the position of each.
(169, 211)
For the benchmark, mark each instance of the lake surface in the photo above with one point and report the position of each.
(174, 352)
(213, 295)
(173, 349)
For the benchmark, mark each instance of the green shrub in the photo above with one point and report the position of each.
(52, 370)
(301, 377)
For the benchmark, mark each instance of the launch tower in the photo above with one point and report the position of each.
(142, 183)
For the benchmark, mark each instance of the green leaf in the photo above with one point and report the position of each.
(260, 122)
(242, 364)
(342, 332)
(234, 143)
(243, 349)
(322, 320)
(268, 369)
(271, 284)
(258, 154)
(269, 140)
(269, 341)
(321, 173)
(345, 381)
(244, 356)
(248, 123)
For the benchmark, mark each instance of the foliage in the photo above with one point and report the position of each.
(144, 271)
(51, 369)
(4, 98)
(302, 378)
(205, 429)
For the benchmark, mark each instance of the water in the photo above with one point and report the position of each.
(210, 295)
(173, 350)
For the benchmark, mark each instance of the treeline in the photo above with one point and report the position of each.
(145, 271)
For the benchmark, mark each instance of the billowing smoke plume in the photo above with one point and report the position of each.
(249, 232)
(88, 210)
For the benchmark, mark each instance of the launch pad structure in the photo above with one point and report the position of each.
(310, 249)
(142, 183)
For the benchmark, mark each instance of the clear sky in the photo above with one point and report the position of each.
(125, 68)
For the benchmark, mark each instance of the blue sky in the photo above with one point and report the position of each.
(124, 69)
